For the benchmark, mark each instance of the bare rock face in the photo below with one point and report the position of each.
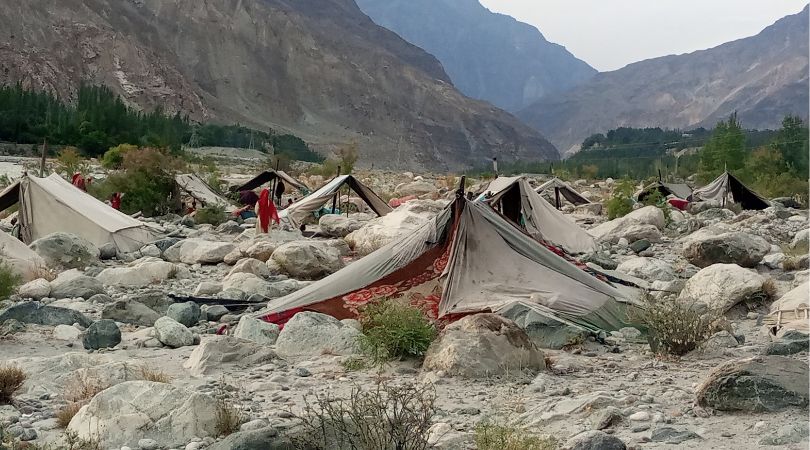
(483, 345)
(257, 67)
(762, 383)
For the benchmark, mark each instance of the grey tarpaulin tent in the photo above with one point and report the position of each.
(682, 191)
(49, 205)
(300, 210)
(719, 190)
(556, 187)
(468, 259)
(268, 176)
(518, 202)
(198, 189)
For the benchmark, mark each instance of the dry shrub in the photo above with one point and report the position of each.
(9, 280)
(65, 415)
(674, 327)
(387, 416)
(769, 289)
(11, 379)
(229, 416)
(157, 376)
(74, 442)
(794, 263)
(82, 389)
(490, 436)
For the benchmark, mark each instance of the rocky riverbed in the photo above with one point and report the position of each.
(113, 335)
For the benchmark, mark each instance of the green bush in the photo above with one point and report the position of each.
(393, 330)
(657, 199)
(621, 202)
(114, 157)
(489, 436)
(211, 214)
(8, 281)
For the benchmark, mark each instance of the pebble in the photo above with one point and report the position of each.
(148, 444)
(641, 416)
(302, 372)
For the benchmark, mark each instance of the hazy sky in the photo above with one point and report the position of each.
(609, 34)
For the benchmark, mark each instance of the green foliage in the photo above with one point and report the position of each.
(96, 121)
(724, 150)
(347, 156)
(70, 161)
(211, 214)
(8, 280)
(792, 143)
(293, 147)
(621, 202)
(657, 199)
(147, 182)
(393, 330)
(489, 436)
(114, 157)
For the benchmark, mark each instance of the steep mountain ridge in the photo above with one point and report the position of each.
(488, 56)
(318, 68)
(762, 77)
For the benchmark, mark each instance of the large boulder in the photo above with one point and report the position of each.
(307, 260)
(400, 222)
(251, 265)
(334, 225)
(416, 188)
(648, 215)
(260, 249)
(198, 251)
(761, 383)
(134, 410)
(130, 311)
(102, 334)
(649, 269)
(23, 261)
(594, 440)
(216, 353)
(801, 240)
(483, 345)
(35, 289)
(721, 286)
(173, 333)
(257, 331)
(251, 284)
(312, 334)
(73, 284)
(736, 247)
(187, 313)
(65, 250)
(622, 227)
(39, 314)
(142, 273)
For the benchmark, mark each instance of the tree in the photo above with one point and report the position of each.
(724, 150)
(792, 143)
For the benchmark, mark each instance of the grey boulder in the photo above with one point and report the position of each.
(102, 334)
(39, 314)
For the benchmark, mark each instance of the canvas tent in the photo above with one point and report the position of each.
(519, 203)
(49, 205)
(307, 206)
(556, 187)
(199, 190)
(719, 190)
(468, 259)
(682, 191)
(269, 175)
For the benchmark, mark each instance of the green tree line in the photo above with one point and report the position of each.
(98, 120)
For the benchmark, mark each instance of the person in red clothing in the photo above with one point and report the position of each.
(78, 181)
(115, 200)
(267, 212)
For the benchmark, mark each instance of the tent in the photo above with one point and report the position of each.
(307, 206)
(682, 191)
(719, 190)
(519, 203)
(559, 187)
(23, 261)
(468, 259)
(49, 205)
(269, 175)
(198, 189)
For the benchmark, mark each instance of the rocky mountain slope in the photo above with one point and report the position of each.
(318, 68)
(488, 56)
(763, 78)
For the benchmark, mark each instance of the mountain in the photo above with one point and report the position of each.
(318, 68)
(488, 56)
(763, 78)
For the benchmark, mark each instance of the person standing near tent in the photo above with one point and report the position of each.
(248, 200)
(279, 191)
(267, 213)
(115, 200)
(78, 181)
